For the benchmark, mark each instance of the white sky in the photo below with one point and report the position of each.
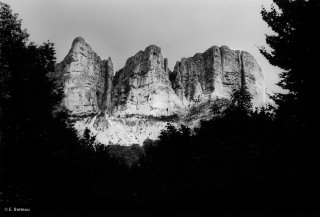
(120, 28)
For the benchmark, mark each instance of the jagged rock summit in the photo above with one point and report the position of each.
(136, 102)
(84, 77)
(143, 87)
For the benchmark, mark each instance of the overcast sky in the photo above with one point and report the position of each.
(120, 28)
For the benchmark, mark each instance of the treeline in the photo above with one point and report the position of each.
(240, 161)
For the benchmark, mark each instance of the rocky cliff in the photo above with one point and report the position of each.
(143, 87)
(216, 73)
(85, 79)
(136, 102)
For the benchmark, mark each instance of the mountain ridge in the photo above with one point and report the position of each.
(145, 87)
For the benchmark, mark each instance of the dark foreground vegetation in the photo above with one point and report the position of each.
(261, 162)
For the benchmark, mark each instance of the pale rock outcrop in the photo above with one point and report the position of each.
(254, 79)
(216, 73)
(136, 102)
(143, 87)
(125, 131)
(83, 74)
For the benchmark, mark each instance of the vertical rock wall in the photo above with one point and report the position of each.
(216, 73)
(146, 86)
(143, 87)
(146, 89)
(83, 75)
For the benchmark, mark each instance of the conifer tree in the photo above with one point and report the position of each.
(240, 106)
(294, 48)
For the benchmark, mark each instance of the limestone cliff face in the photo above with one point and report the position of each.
(128, 106)
(216, 73)
(253, 79)
(143, 87)
(85, 78)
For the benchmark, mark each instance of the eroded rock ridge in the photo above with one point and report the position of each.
(85, 79)
(143, 87)
(217, 73)
(123, 103)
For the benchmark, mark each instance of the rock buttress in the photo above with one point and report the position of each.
(216, 73)
(143, 87)
(82, 74)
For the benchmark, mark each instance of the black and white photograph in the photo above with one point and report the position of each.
(159, 108)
